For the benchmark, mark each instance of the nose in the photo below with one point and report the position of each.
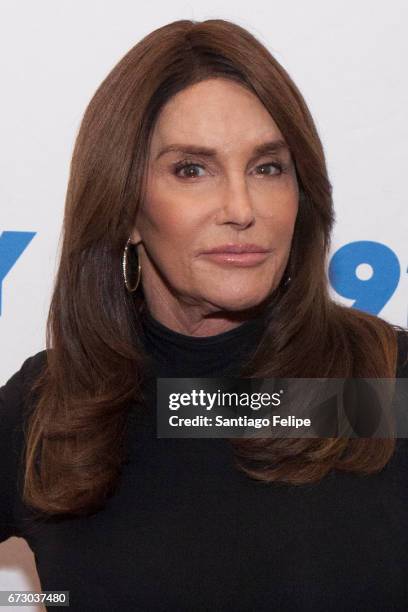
(236, 204)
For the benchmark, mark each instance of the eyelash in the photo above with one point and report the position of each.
(185, 164)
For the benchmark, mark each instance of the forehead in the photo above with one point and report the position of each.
(216, 113)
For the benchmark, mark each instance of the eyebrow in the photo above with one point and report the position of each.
(272, 146)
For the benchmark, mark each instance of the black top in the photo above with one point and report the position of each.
(187, 531)
(178, 355)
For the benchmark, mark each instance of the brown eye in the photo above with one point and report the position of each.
(275, 165)
(190, 170)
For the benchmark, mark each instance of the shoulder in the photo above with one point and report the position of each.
(14, 398)
(402, 359)
(15, 391)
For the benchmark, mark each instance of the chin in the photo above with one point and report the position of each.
(235, 302)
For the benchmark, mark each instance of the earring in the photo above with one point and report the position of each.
(287, 281)
(125, 269)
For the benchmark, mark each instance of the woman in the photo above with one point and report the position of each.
(199, 139)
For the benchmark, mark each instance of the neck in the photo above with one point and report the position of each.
(185, 355)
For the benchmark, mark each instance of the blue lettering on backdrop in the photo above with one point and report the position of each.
(369, 294)
(373, 293)
(12, 245)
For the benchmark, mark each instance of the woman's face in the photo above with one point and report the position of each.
(197, 200)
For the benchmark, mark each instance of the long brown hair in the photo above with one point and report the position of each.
(95, 361)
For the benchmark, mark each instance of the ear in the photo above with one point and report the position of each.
(135, 236)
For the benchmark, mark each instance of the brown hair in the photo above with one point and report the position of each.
(95, 360)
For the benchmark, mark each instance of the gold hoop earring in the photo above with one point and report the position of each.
(125, 269)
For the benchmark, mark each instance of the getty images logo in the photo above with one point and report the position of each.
(12, 245)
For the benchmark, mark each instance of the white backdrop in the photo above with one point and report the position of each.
(349, 61)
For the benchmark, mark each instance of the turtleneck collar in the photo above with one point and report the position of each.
(179, 355)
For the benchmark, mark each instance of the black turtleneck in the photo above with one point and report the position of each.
(187, 531)
(180, 355)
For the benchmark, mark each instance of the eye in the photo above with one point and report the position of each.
(191, 173)
(275, 165)
(188, 169)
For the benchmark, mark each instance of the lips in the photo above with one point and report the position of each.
(244, 259)
(237, 248)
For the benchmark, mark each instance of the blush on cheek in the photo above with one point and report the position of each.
(175, 218)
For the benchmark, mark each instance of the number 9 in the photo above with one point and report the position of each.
(372, 294)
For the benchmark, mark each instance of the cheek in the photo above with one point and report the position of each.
(277, 199)
(173, 219)
(281, 220)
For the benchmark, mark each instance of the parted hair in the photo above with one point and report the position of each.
(95, 363)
